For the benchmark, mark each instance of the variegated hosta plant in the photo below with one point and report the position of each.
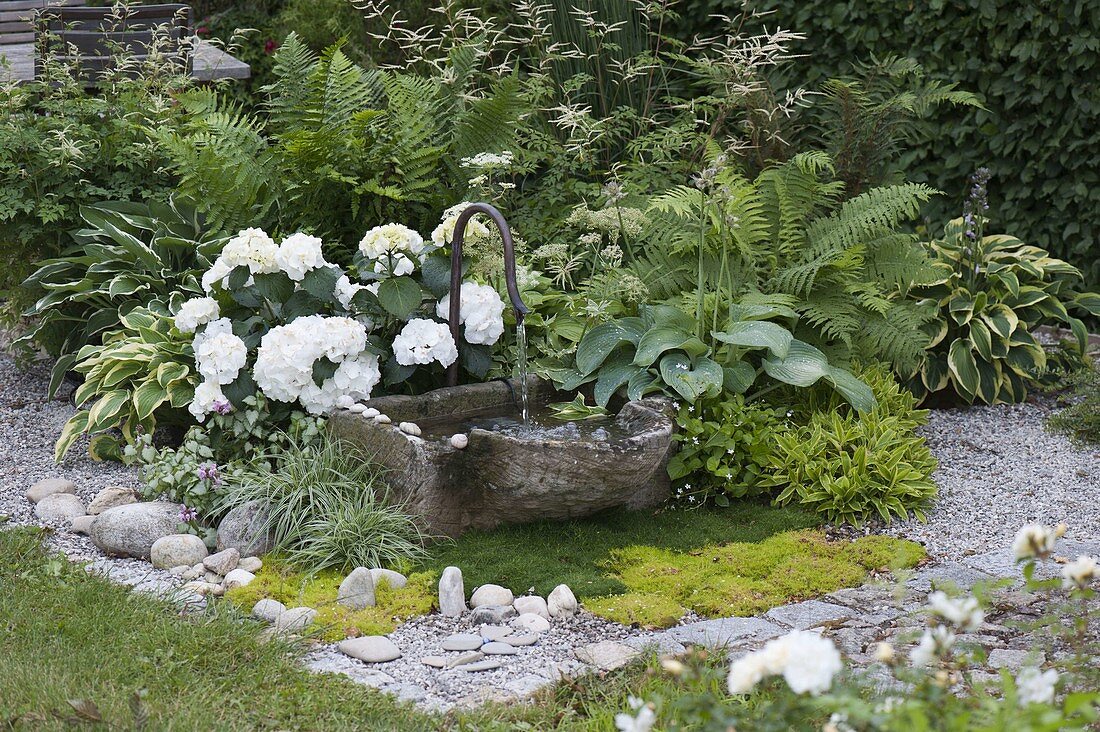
(142, 371)
(993, 292)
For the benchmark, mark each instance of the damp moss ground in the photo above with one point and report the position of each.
(545, 554)
(650, 568)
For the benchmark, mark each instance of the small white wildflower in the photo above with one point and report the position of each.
(807, 661)
(642, 721)
(1033, 541)
(1080, 572)
(1036, 687)
(963, 613)
(935, 643)
(884, 653)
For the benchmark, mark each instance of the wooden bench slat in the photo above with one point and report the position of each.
(12, 39)
(36, 4)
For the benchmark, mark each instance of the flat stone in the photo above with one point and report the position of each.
(357, 590)
(495, 632)
(527, 684)
(1014, 660)
(497, 648)
(223, 562)
(462, 642)
(213, 577)
(487, 665)
(606, 655)
(296, 618)
(49, 487)
(465, 658)
(524, 639)
(561, 602)
(110, 497)
(59, 509)
(725, 632)
(81, 525)
(809, 614)
(395, 580)
(532, 623)
(533, 605)
(202, 588)
(452, 593)
(863, 597)
(491, 595)
(176, 549)
(661, 643)
(268, 610)
(944, 575)
(238, 578)
(370, 648)
(179, 570)
(492, 614)
(250, 564)
(131, 530)
(434, 661)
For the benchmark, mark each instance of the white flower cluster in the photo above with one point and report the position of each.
(219, 357)
(807, 662)
(195, 312)
(393, 248)
(444, 234)
(480, 309)
(489, 160)
(963, 613)
(253, 248)
(287, 354)
(423, 341)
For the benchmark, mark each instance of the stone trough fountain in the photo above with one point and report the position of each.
(489, 453)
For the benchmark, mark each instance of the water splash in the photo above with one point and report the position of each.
(521, 342)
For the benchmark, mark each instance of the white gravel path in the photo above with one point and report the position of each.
(1000, 469)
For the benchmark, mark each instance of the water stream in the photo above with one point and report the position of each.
(521, 342)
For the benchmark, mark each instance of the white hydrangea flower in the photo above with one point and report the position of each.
(287, 354)
(935, 643)
(481, 310)
(219, 355)
(1080, 572)
(422, 341)
(1036, 687)
(391, 239)
(807, 661)
(1033, 541)
(394, 265)
(251, 248)
(218, 273)
(195, 312)
(345, 290)
(207, 395)
(444, 234)
(298, 254)
(963, 613)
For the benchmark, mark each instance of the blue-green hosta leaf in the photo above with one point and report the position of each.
(661, 339)
(739, 377)
(667, 316)
(597, 344)
(960, 361)
(640, 384)
(854, 391)
(802, 366)
(615, 373)
(691, 381)
(757, 334)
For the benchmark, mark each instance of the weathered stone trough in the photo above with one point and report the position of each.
(510, 476)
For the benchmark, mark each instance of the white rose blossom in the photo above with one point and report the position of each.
(423, 341)
(195, 312)
(1035, 687)
(299, 254)
(481, 310)
(444, 234)
(1034, 541)
(963, 613)
(1079, 573)
(219, 355)
(807, 661)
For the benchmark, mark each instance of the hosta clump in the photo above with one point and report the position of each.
(851, 466)
(725, 448)
(992, 292)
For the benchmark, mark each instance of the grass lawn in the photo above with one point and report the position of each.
(76, 649)
(578, 553)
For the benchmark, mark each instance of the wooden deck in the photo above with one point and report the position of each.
(208, 63)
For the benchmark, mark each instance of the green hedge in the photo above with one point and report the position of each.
(1036, 65)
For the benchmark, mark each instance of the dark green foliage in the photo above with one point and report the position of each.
(1033, 65)
(1081, 418)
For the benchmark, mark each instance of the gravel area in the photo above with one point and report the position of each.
(1000, 469)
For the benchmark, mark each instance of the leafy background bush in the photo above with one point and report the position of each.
(1032, 65)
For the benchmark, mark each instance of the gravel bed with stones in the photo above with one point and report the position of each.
(1000, 469)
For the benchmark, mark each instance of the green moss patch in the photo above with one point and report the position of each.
(742, 578)
(279, 581)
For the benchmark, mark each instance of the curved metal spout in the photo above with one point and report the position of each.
(456, 271)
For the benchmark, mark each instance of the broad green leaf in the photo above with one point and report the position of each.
(691, 381)
(321, 283)
(981, 339)
(1089, 301)
(73, 429)
(667, 316)
(612, 376)
(598, 343)
(739, 377)
(757, 334)
(934, 372)
(802, 366)
(400, 296)
(104, 413)
(148, 397)
(659, 339)
(435, 272)
(1001, 319)
(960, 360)
(854, 391)
(275, 287)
